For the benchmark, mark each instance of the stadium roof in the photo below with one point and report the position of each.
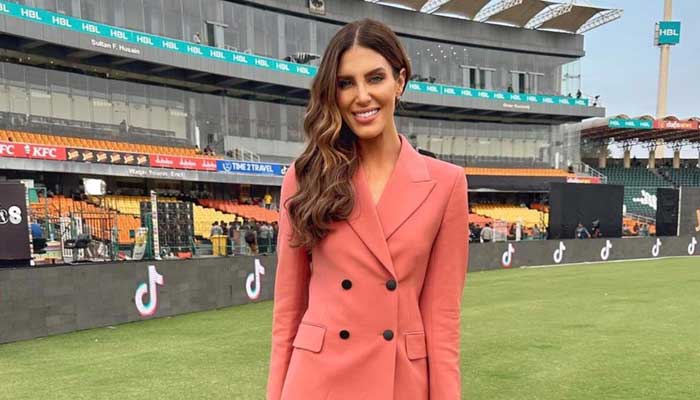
(533, 14)
(518, 13)
(568, 17)
(644, 128)
(463, 8)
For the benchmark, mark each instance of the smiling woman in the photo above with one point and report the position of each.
(376, 314)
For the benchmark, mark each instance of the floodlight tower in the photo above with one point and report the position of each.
(667, 33)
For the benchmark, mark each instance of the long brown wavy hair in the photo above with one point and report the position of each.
(325, 168)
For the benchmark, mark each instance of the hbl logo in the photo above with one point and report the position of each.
(559, 253)
(150, 308)
(656, 249)
(605, 251)
(507, 257)
(254, 279)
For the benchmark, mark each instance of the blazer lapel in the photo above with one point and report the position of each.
(409, 186)
(365, 222)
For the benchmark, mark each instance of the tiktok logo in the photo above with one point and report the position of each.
(150, 308)
(605, 251)
(559, 253)
(507, 257)
(253, 285)
(691, 246)
(656, 249)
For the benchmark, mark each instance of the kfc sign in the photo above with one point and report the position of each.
(7, 149)
(41, 152)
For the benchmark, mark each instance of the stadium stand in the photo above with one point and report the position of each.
(246, 211)
(204, 217)
(640, 187)
(512, 214)
(682, 176)
(96, 144)
(99, 220)
(517, 172)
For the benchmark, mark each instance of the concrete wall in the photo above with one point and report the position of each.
(439, 28)
(37, 302)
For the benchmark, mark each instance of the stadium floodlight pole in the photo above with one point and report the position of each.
(663, 67)
(663, 78)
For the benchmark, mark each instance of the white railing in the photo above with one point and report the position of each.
(586, 169)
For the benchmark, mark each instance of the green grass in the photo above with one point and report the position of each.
(604, 331)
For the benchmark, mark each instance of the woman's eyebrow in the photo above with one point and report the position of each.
(374, 71)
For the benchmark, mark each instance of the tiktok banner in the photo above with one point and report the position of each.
(14, 230)
(689, 218)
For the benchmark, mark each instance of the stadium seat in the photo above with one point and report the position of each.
(109, 145)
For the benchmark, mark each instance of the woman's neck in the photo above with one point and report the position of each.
(380, 154)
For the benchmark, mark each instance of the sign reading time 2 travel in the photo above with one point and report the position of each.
(121, 36)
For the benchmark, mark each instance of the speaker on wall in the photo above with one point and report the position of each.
(317, 6)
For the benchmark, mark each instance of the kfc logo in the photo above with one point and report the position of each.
(7, 150)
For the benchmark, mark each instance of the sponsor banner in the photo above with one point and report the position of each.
(36, 151)
(662, 124)
(668, 32)
(117, 39)
(631, 123)
(250, 168)
(447, 90)
(107, 157)
(689, 215)
(14, 227)
(177, 162)
(582, 179)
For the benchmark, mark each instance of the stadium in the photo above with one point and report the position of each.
(143, 144)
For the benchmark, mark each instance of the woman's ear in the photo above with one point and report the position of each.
(400, 82)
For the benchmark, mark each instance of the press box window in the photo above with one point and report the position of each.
(215, 33)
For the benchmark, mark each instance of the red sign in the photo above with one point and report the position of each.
(582, 179)
(175, 162)
(662, 124)
(36, 151)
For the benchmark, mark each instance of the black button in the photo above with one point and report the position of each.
(388, 334)
(344, 334)
(347, 284)
(391, 284)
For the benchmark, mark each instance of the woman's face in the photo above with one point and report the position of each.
(366, 92)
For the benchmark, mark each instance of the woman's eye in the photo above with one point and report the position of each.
(376, 79)
(343, 84)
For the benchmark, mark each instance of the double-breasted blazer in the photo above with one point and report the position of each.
(374, 313)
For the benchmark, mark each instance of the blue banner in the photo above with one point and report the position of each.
(668, 32)
(118, 38)
(630, 123)
(250, 168)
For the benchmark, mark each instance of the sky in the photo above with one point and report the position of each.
(622, 64)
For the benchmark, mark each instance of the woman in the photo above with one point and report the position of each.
(376, 314)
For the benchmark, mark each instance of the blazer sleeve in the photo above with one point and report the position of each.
(290, 297)
(441, 298)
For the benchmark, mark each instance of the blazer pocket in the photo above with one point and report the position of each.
(309, 337)
(415, 346)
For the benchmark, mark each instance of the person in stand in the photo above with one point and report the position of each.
(197, 38)
(486, 234)
(268, 200)
(582, 232)
(371, 264)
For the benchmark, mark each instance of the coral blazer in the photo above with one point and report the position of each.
(376, 314)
